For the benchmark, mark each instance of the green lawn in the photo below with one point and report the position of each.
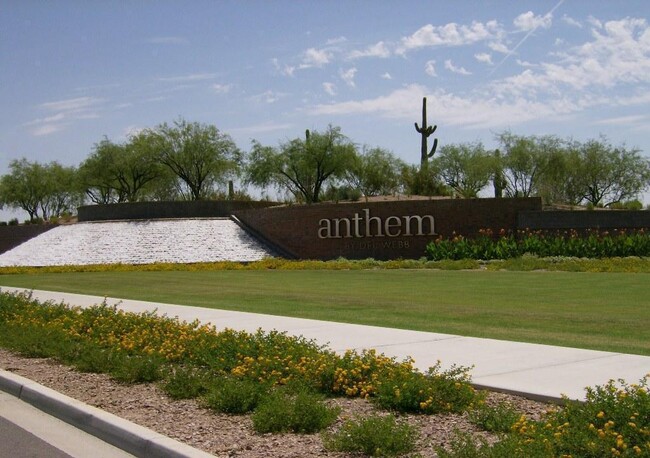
(607, 311)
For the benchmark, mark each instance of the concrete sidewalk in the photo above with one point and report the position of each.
(541, 372)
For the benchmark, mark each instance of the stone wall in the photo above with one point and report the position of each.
(380, 230)
(162, 210)
(12, 236)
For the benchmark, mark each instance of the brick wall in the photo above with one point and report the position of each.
(295, 229)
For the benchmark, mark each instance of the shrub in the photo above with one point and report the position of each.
(435, 391)
(301, 412)
(136, 368)
(374, 436)
(183, 382)
(234, 396)
(498, 419)
(592, 244)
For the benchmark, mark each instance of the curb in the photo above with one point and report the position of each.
(123, 434)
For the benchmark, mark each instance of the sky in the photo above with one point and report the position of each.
(72, 72)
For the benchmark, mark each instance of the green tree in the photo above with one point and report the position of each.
(609, 175)
(63, 193)
(466, 168)
(199, 154)
(374, 172)
(560, 182)
(41, 190)
(525, 161)
(121, 172)
(302, 166)
(422, 181)
(23, 187)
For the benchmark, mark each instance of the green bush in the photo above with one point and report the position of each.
(136, 368)
(234, 396)
(498, 419)
(182, 382)
(374, 436)
(302, 412)
(433, 392)
(592, 244)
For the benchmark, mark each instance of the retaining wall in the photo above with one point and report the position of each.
(380, 230)
(164, 210)
(581, 220)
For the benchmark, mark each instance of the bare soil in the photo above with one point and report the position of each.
(230, 435)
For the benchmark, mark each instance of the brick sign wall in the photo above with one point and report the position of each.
(380, 230)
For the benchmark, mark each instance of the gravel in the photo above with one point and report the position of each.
(231, 435)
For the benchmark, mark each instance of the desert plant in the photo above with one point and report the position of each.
(425, 131)
(498, 418)
(234, 396)
(374, 436)
(301, 412)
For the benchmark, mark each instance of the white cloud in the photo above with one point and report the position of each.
(315, 58)
(451, 34)
(624, 120)
(570, 21)
(498, 47)
(348, 76)
(222, 88)
(377, 50)
(188, 78)
(387, 76)
(64, 112)
(336, 41)
(47, 129)
(268, 96)
(401, 103)
(528, 21)
(444, 108)
(430, 68)
(618, 54)
(76, 104)
(484, 57)
(452, 68)
(330, 88)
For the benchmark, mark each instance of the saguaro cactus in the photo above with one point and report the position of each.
(426, 131)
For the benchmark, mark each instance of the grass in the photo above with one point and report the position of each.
(605, 311)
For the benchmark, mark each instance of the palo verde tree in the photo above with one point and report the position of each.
(525, 161)
(24, 186)
(374, 172)
(609, 174)
(198, 154)
(302, 166)
(425, 132)
(120, 172)
(466, 168)
(42, 190)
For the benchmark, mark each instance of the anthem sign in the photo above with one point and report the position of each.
(379, 230)
(363, 225)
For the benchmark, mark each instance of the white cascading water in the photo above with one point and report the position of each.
(138, 242)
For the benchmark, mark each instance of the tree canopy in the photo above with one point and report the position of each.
(302, 166)
(198, 154)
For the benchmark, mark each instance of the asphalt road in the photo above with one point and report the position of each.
(15, 442)
(26, 432)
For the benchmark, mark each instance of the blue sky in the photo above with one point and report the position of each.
(74, 71)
